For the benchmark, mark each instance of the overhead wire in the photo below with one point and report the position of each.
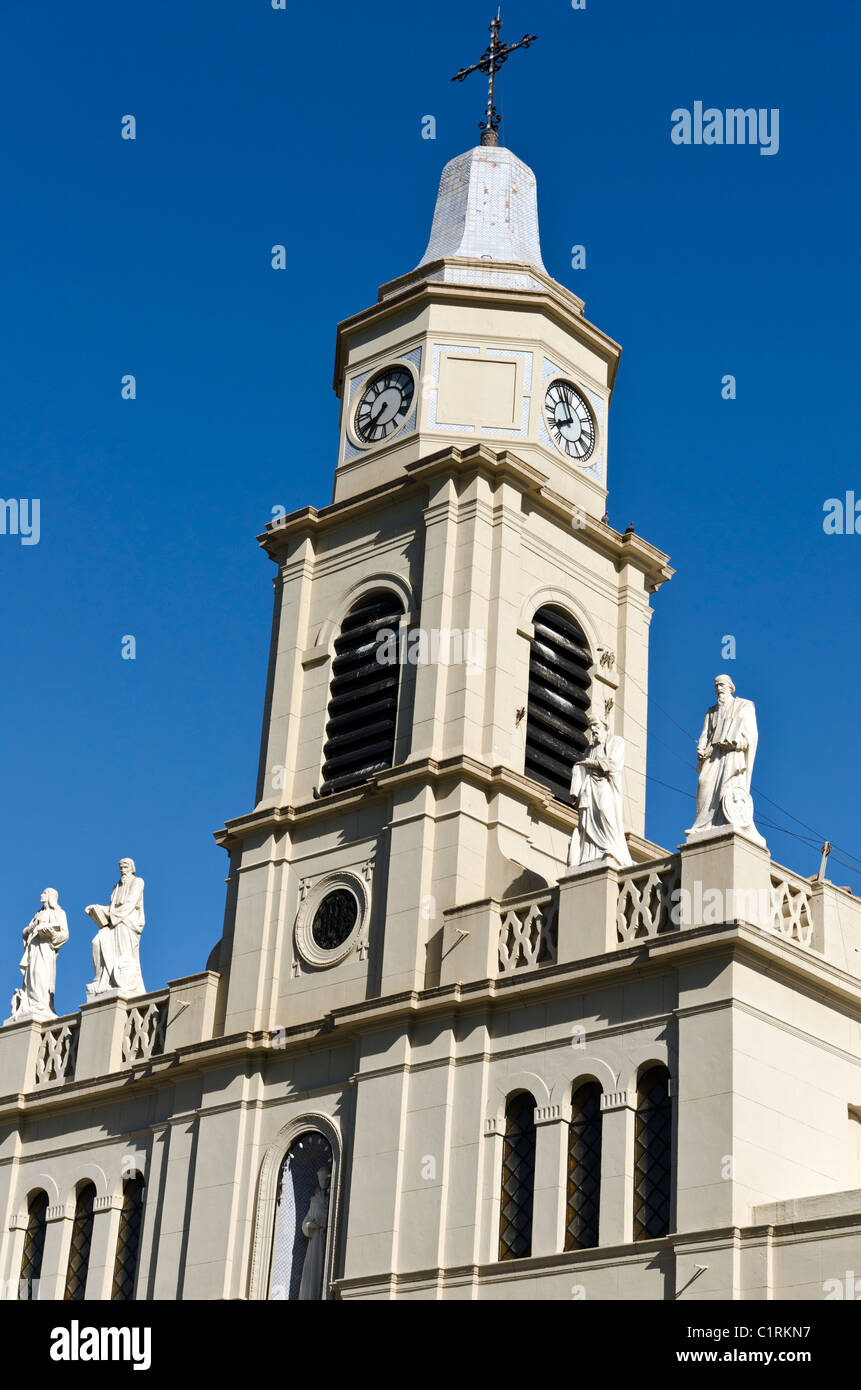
(837, 851)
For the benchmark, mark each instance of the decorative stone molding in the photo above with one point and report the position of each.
(791, 912)
(309, 950)
(547, 1114)
(527, 936)
(267, 1198)
(60, 1212)
(56, 1057)
(19, 1221)
(646, 900)
(493, 1126)
(113, 1202)
(618, 1100)
(143, 1036)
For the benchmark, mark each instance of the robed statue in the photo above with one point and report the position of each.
(116, 945)
(314, 1228)
(43, 937)
(596, 786)
(725, 755)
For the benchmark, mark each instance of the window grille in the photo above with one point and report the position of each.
(82, 1236)
(128, 1241)
(363, 695)
(584, 1168)
(34, 1246)
(653, 1155)
(518, 1178)
(560, 685)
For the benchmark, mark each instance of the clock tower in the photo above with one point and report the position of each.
(445, 627)
(427, 1059)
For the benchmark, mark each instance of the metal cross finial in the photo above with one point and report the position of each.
(490, 62)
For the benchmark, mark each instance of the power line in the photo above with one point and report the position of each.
(807, 840)
(854, 867)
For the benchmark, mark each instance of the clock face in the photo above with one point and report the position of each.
(570, 421)
(385, 404)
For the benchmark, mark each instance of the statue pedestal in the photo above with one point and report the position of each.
(20, 1040)
(588, 895)
(30, 1016)
(100, 1040)
(726, 877)
(116, 993)
(749, 832)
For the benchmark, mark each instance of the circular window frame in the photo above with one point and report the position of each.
(311, 953)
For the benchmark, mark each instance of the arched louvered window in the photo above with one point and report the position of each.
(128, 1240)
(518, 1178)
(363, 695)
(653, 1165)
(34, 1246)
(584, 1168)
(560, 683)
(82, 1237)
(301, 1244)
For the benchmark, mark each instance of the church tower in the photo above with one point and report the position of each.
(432, 1056)
(444, 628)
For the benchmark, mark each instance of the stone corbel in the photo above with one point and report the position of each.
(112, 1202)
(605, 669)
(61, 1212)
(548, 1114)
(618, 1100)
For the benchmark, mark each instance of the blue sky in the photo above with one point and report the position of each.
(303, 127)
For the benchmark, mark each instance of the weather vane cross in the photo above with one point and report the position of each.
(490, 62)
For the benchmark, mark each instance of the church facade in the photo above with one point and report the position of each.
(434, 1055)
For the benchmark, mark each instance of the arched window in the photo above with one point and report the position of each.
(34, 1246)
(363, 695)
(584, 1168)
(518, 1178)
(128, 1240)
(82, 1236)
(301, 1246)
(560, 683)
(653, 1155)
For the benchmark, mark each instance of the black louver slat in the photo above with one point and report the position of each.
(363, 697)
(560, 683)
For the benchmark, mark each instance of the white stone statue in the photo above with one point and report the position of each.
(43, 937)
(116, 945)
(725, 756)
(314, 1227)
(596, 785)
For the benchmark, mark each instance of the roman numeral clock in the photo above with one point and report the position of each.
(384, 405)
(569, 420)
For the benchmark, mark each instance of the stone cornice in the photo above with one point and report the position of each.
(428, 771)
(553, 299)
(481, 459)
(650, 956)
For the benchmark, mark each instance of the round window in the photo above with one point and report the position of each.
(334, 919)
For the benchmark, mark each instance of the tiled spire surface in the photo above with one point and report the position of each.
(486, 209)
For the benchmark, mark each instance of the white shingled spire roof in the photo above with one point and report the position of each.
(486, 209)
